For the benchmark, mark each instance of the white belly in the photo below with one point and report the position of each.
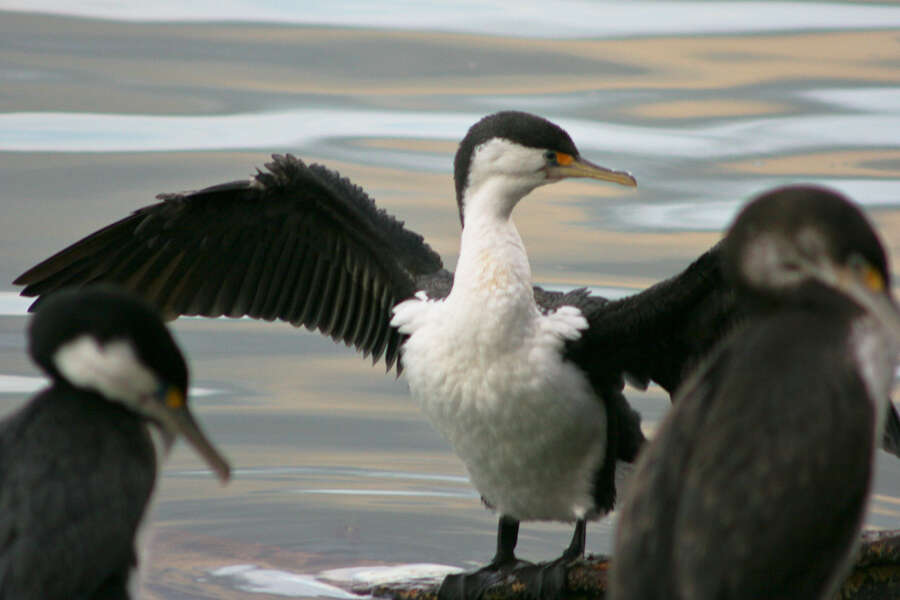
(527, 425)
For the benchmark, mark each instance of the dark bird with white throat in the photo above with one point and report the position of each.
(79, 462)
(757, 482)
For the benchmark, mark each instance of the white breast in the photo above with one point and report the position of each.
(875, 354)
(490, 377)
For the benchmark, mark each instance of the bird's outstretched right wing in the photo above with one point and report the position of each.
(296, 243)
(665, 332)
(660, 334)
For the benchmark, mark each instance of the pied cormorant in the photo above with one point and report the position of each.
(79, 462)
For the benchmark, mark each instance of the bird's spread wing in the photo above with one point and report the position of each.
(297, 243)
(664, 332)
(624, 438)
(661, 333)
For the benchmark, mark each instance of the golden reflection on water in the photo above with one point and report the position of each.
(879, 163)
(256, 68)
(887, 223)
(719, 63)
(431, 146)
(730, 62)
(704, 109)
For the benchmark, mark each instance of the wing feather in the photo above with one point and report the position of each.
(297, 243)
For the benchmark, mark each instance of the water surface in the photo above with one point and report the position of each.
(104, 105)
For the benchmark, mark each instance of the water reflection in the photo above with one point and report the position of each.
(20, 384)
(567, 18)
(252, 579)
(309, 128)
(335, 466)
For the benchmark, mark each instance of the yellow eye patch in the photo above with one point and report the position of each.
(564, 159)
(174, 398)
(873, 279)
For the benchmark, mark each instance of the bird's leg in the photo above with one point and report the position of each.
(548, 580)
(471, 586)
(507, 538)
(576, 546)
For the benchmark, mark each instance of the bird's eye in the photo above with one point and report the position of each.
(857, 263)
(550, 156)
(869, 275)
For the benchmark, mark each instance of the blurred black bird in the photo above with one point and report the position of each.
(756, 483)
(78, 463)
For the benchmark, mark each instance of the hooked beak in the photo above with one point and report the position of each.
(174, 416)
(570, 166)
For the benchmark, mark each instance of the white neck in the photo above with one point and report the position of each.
(492, 293)
(493, 271)
(111, 368)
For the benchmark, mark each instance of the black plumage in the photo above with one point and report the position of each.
(756, 483)
(76, 474)
(299, 244)
(77, 468)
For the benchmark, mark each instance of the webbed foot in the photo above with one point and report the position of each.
(472, 585)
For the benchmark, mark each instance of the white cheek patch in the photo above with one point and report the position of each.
(112, 369)
(811, 242)
(500, 156)
(502, 172)
(874, 352)
(765, 264)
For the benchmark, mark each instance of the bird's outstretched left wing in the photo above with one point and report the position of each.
(296, 243)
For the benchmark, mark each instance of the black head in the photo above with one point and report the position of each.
(790, 242)
(532, 132)
(106, 341)
(105, 314)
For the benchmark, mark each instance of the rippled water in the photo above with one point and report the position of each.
(103, 105)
